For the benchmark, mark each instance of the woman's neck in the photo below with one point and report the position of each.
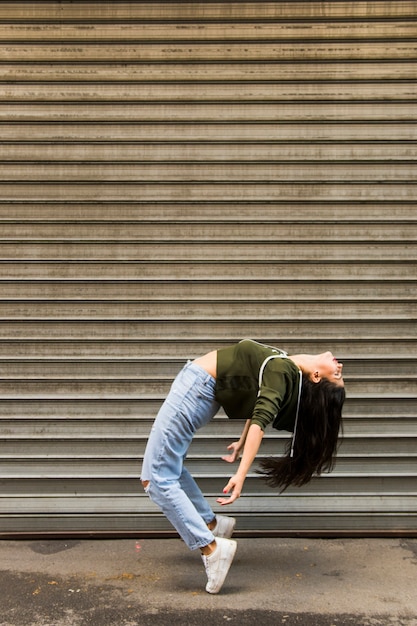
(303, 362)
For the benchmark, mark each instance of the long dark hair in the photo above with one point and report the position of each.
(316, 438)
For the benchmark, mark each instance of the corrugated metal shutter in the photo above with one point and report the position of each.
(177, 176)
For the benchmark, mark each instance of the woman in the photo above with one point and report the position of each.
(303, 394)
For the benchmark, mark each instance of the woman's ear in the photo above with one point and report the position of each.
(315, 377)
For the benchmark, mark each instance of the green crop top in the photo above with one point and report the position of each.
(260, 383)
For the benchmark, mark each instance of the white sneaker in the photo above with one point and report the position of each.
(218, 563)
(224, 526)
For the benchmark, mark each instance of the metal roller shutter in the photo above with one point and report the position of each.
(177, 176)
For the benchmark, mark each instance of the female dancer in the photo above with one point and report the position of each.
(303, 394)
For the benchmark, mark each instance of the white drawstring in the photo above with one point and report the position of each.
(261, 371)
(282, 355)
(296, 415)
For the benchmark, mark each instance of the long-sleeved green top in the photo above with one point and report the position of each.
(258, 382)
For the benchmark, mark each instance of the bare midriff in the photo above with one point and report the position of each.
(208, 362)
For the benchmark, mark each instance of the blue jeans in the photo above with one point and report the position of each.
(189, 405)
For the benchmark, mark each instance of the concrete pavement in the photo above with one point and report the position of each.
(317, 582)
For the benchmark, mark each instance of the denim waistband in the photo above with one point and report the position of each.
(201, 374)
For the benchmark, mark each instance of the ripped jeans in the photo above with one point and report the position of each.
(189, 405)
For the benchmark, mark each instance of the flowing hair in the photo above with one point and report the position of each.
(316, 438)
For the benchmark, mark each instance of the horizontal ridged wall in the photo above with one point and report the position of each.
(174, 177)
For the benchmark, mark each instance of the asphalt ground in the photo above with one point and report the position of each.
(159, 582)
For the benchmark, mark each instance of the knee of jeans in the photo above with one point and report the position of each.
(158, 489)
(153, 487)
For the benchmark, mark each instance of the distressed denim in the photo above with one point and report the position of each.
(189, 405)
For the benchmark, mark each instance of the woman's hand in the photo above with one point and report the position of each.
(251, 447)
(235, 448)
(235, 485)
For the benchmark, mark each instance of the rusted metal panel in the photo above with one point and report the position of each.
(271, 51)
(195, 173)
(46, 12)
(215, 91)
(211, 233)
(111, 350)
(194, 154)
(218, 289)
(196, 71)
(385, 27)
(192, 253)
(220, 212)
(210, 131)
(177, 176)
(195, 112)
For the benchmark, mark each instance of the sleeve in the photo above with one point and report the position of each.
(270, 398)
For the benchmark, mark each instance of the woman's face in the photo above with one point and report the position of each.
(327, 366)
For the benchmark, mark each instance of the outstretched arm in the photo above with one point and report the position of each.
(235, 484)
